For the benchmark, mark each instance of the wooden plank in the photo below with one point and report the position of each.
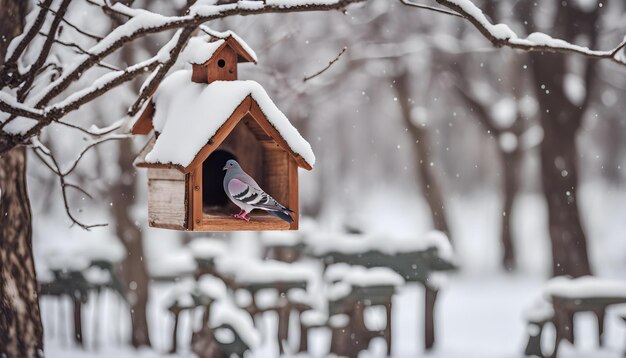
(259, 116)
(276, 174)
(195, 198)
(143, 125)
(165, 174)
(258, 222)
(221, 134)
(293, 193)
(166, 203)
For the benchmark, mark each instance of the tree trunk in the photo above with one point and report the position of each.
(561, 119)
(134, 270)
(21, 331)
(422, 152)
(510, 166)
(560, 182)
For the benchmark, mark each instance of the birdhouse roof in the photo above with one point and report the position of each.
(201, 49)
(188, 117)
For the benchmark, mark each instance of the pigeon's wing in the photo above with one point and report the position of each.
(255, 197)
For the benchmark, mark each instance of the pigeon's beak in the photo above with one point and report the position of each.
(225, 168)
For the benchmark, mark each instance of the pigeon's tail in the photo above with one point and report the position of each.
(282, 215)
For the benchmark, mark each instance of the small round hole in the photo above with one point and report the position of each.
(221, 63)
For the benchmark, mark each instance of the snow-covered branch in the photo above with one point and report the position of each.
(139, 23)
(501, 35)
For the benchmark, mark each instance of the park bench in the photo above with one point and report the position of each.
(569, 296)
(415, 259)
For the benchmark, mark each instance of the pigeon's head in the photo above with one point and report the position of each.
(231, 164)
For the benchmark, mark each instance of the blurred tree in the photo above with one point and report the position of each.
(561, 116)
(430, 185)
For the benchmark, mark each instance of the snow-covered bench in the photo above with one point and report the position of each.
(567, 297)
(417, 258)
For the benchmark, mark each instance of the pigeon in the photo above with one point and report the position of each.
(248, 195)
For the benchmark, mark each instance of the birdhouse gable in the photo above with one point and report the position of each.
(215, 56)
(192, 119)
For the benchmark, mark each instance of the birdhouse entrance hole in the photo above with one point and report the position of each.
(213, 195)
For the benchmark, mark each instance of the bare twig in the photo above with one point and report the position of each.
(82, 51)
(330, 63)
(46, 157)
(431, 8)
(95, 37)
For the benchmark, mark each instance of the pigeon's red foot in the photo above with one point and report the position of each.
(241, 216)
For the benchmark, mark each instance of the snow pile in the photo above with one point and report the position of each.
(206, 248)
(376, 276)
(180, 294)
(199, 50)
(281, 238)
(250, 272)
(212, 286)
(345, 277)
(173, 264)
(224, 312)
(390, 244)
(191, 113)
(541, 310)
(78, 254)
(584, 287)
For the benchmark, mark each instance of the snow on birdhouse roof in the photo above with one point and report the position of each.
(199, 50)
(187, 115)
(230, 34)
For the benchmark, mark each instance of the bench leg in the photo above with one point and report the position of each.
(429, 317)
(600, 315)
(388, 327)
(174, 333)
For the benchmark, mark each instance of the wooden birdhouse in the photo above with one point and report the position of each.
(204, 116)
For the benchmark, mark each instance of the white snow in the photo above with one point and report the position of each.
(281, 238)
(375, 276)
(77, 254)
(172, 264)
(270, 271)
(507, 141)
(391, 244)
(574, 87)
(191, 113)
(207, 248)
(199, 50)
(504, 112)
(585, 287)
(499, 31)
(212, 287)
(313, 318)
(226, 34)
(225, 312)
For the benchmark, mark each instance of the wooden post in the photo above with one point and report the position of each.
(175, 331)
(283, 326)
(600, 313)
(304, 337)
(387, 332)
(430, 297)
(78, 322)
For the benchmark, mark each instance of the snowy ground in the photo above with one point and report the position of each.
(478, 316)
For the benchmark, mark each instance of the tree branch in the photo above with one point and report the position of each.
(330, 63)
(500, 35)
